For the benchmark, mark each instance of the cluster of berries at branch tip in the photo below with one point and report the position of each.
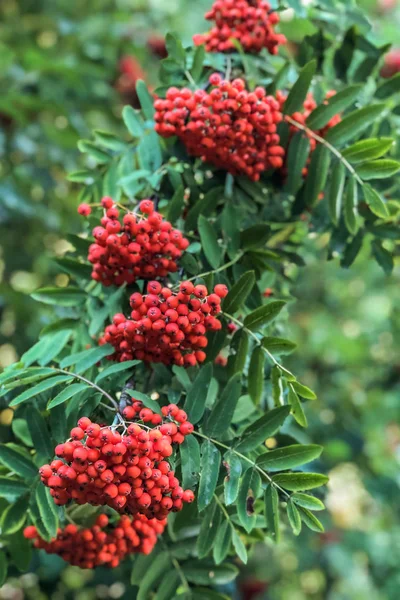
(228, 126)
(128, 472)
(166, 327)
(301, 117)
(249, 22)
(141, 246)
(102, 544)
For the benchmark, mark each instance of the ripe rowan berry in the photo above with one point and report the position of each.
(84, 209)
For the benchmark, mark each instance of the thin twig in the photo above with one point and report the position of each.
(91, 384)
(325, 143)
(253, 335)
(223, 268)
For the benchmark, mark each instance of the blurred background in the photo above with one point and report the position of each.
(68, 67)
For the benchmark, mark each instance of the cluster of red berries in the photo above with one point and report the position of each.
(301, 117)
(128, 472)
(249, 22)
(143, 246)
(97, 546)
(230, 127)
(166, 327)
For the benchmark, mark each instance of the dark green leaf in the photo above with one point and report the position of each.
(239, 293)
(222, 542)
(197, 396)
(311, 520)
(375, 202)
(255, 384)
(208, 573)
(335, 193)
(114, 369)
(203, 207)
(153, 574)
(383, 257)
(221, 415)
(168, 586)
(3, 567)
(304, 391)
(14, 517)
(60, 296)
(354, 124)
(272, 512)
(198, 60)
(317, 174)
(265, 427)
(378, 169)
(255, 236)
(388, 88)
(248, 492)
(298, 93)
(278, 345)
(147, 401)
(17, 462)
(140, 566)
(209, 241)
(39, 388)
(176, 204)
(73, 267)
(297, 157)
(370, 149)
(67, 393)
(233, 465)
(240, 347)
(296, 407)
(175, 49)
(208, 529)
(190, 461)
(146, 100)
(307, 501)
(289, 457)
(263, 315)
(350, 207)
(40, 434)
(294, 517)
(300, 481)
(87, 358)
(335, 105)
(132, 121)
(239, 546)
(20, 551)
(11, 489)
(47, 509)
(210, 463)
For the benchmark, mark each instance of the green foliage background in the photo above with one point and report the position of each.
(63, 59)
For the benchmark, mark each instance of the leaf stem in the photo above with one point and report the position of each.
(325, 143)
(253, 335)
(223, 268)
(91, 384)
(243, 457)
